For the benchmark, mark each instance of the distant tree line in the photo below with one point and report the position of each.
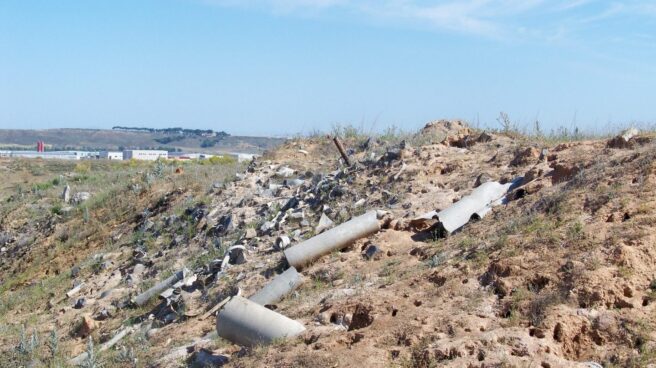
(175, 130)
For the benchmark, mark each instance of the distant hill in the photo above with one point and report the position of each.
(104, 139)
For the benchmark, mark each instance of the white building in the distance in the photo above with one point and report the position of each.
(147, 155)
(111, 155)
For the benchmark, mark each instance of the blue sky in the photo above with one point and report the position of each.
(294, 66)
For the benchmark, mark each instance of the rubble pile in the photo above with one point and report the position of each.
(452, 247)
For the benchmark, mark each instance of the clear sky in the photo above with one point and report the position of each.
(293, 66)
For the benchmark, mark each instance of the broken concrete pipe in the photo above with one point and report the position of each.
(247, 323)
(334, 239)
(143, 298)
(474, 206)
(278, 288)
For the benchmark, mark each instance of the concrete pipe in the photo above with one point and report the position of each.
(142, 298)
(278, 288)
(334, 239)
(247, 323)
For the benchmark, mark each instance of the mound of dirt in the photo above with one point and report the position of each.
(559, 269)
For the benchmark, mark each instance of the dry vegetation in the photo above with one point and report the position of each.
(565, 273)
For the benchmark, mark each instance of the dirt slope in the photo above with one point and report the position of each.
(563, 274)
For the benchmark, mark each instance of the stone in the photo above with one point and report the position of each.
(325, 223)
(297, 216)
(250, 233)
(526, 156)
(66, 195)
(103, 315)
(80, 197)
(282, 242)
(285, 172)
(237, 254)
(531, 175)
(224, 225)
(80, 303)
(624, 140)
(484, 138)
(481, 179)
(324, 318)
(562, 172)
(205, 358)
(87, 325)
(267, 226)
(373, 252)
(293, 182)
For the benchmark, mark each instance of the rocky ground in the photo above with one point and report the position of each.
(562, 274)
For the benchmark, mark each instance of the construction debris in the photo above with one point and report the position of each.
(142, 298)
(74, 290)
(624, 139)
(334, 239)
(474, 206)
(278, 288)
(247, 323)
(341, 150)
(66, 194)
(325, 223)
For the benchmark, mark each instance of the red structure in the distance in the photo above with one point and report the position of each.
(40, 146)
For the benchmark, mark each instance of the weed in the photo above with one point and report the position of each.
(82, 167)
(625, 272)
(539, 305)
(53, 344)
(56, 209)
(126, 355)
(91, 360)
(575, 231)
(507, 126)
(436, 260)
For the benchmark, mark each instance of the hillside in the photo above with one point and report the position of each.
(560, 272)
(113, 139)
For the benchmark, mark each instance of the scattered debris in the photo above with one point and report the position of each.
(247, 323)
(74, 290)
(627, 139)
(66, 194)
(341, 150)
(282, 242)
(325, 223)
(372, 252)
(80, 197)
(474, 206)
(278, 288)
(204, 358)
(142, 298)
(337, 238)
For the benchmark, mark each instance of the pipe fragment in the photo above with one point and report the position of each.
(474, 206)
(142, 298)
(334, 239)
(278, 288)
(247, 323)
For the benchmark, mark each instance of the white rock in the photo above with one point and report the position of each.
(325, 223)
